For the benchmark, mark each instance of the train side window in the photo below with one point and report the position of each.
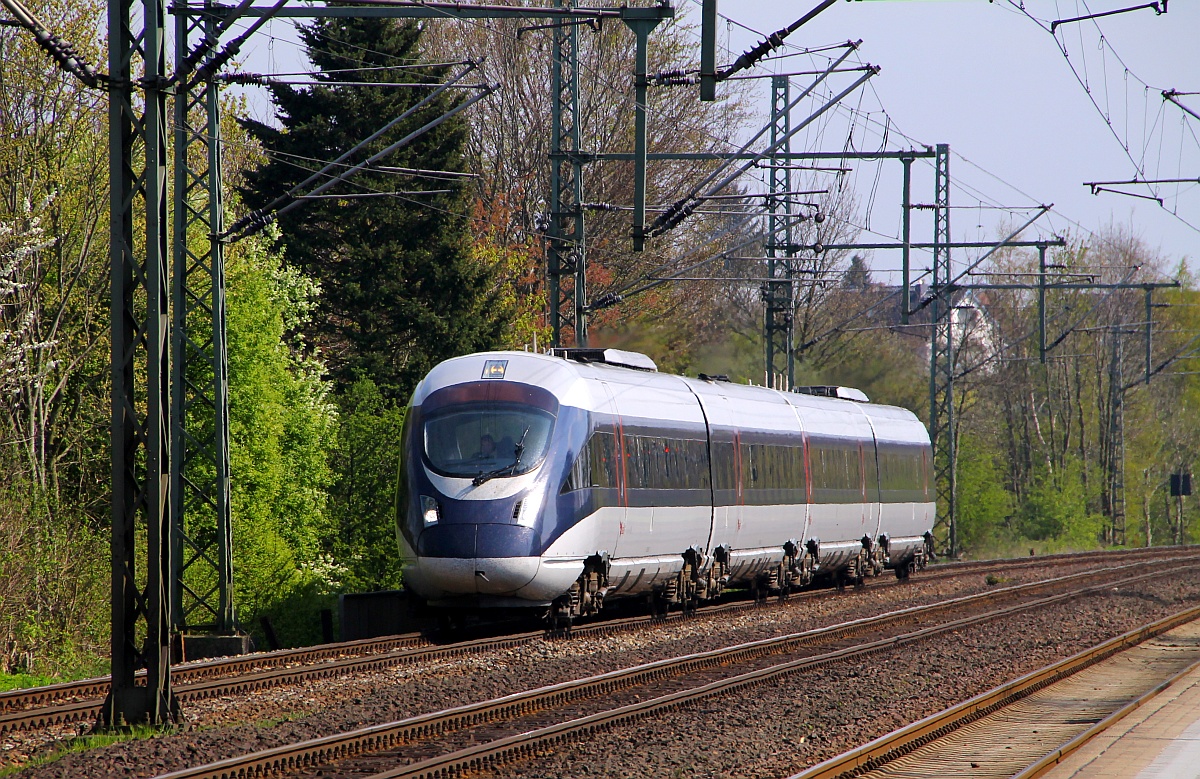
(595, 466)
(634, 461)
(660, 463)
(925, 455)
(902, 473)
(871, 471)
(602, 459)
(724, 473)
(698, 456)
(780, 467)
(580, 475)
(749, 467)
(836, 470)
(685, 456)
(673, 476)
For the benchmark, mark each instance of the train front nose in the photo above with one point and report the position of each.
(476, 558)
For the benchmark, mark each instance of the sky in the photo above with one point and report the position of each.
(991, 81)
(985, 78)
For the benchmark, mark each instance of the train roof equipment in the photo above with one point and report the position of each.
(635, 360)
(825, 391)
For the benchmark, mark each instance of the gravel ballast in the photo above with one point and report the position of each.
(774, 732)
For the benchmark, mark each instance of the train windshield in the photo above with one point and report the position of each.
(495, 438)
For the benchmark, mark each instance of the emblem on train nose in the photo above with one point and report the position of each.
(494, 369)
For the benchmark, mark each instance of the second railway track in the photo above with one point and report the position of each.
(1024, 728)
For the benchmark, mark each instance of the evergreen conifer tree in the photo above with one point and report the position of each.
(400, 289)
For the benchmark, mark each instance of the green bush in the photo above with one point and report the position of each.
(283, 430)
(54, 588)
(362, 498)
(983, 504)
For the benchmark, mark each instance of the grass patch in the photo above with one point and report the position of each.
(22, 681)
(992, 579)
(87, 742)
(272, 722)
(90, 670)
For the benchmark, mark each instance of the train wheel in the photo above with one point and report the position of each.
(561, 625)
(659, 606)
(563, 611)
(784, 577)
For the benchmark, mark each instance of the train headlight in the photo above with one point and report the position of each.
(429, 511)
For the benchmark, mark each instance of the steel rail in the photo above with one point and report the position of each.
(72, 702)
(900, 742)
(341, 746)
(1055, 756)
(1032, 560)
(14, 700)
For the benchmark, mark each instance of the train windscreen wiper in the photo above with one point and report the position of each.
(507, 470)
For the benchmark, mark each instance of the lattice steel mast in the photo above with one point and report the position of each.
(141, 446)
(200, 491)
(565, 259)
(778, 294)
(943, 431)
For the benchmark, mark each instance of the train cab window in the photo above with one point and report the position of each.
(470, 439)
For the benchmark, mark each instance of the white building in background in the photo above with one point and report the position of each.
(976, 333)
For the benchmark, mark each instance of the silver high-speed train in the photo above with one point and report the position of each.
(566, 479)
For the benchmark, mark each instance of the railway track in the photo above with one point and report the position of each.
(488, 733)
(76, 702)
(1024, 728)
(960, 568)
(15, 700)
